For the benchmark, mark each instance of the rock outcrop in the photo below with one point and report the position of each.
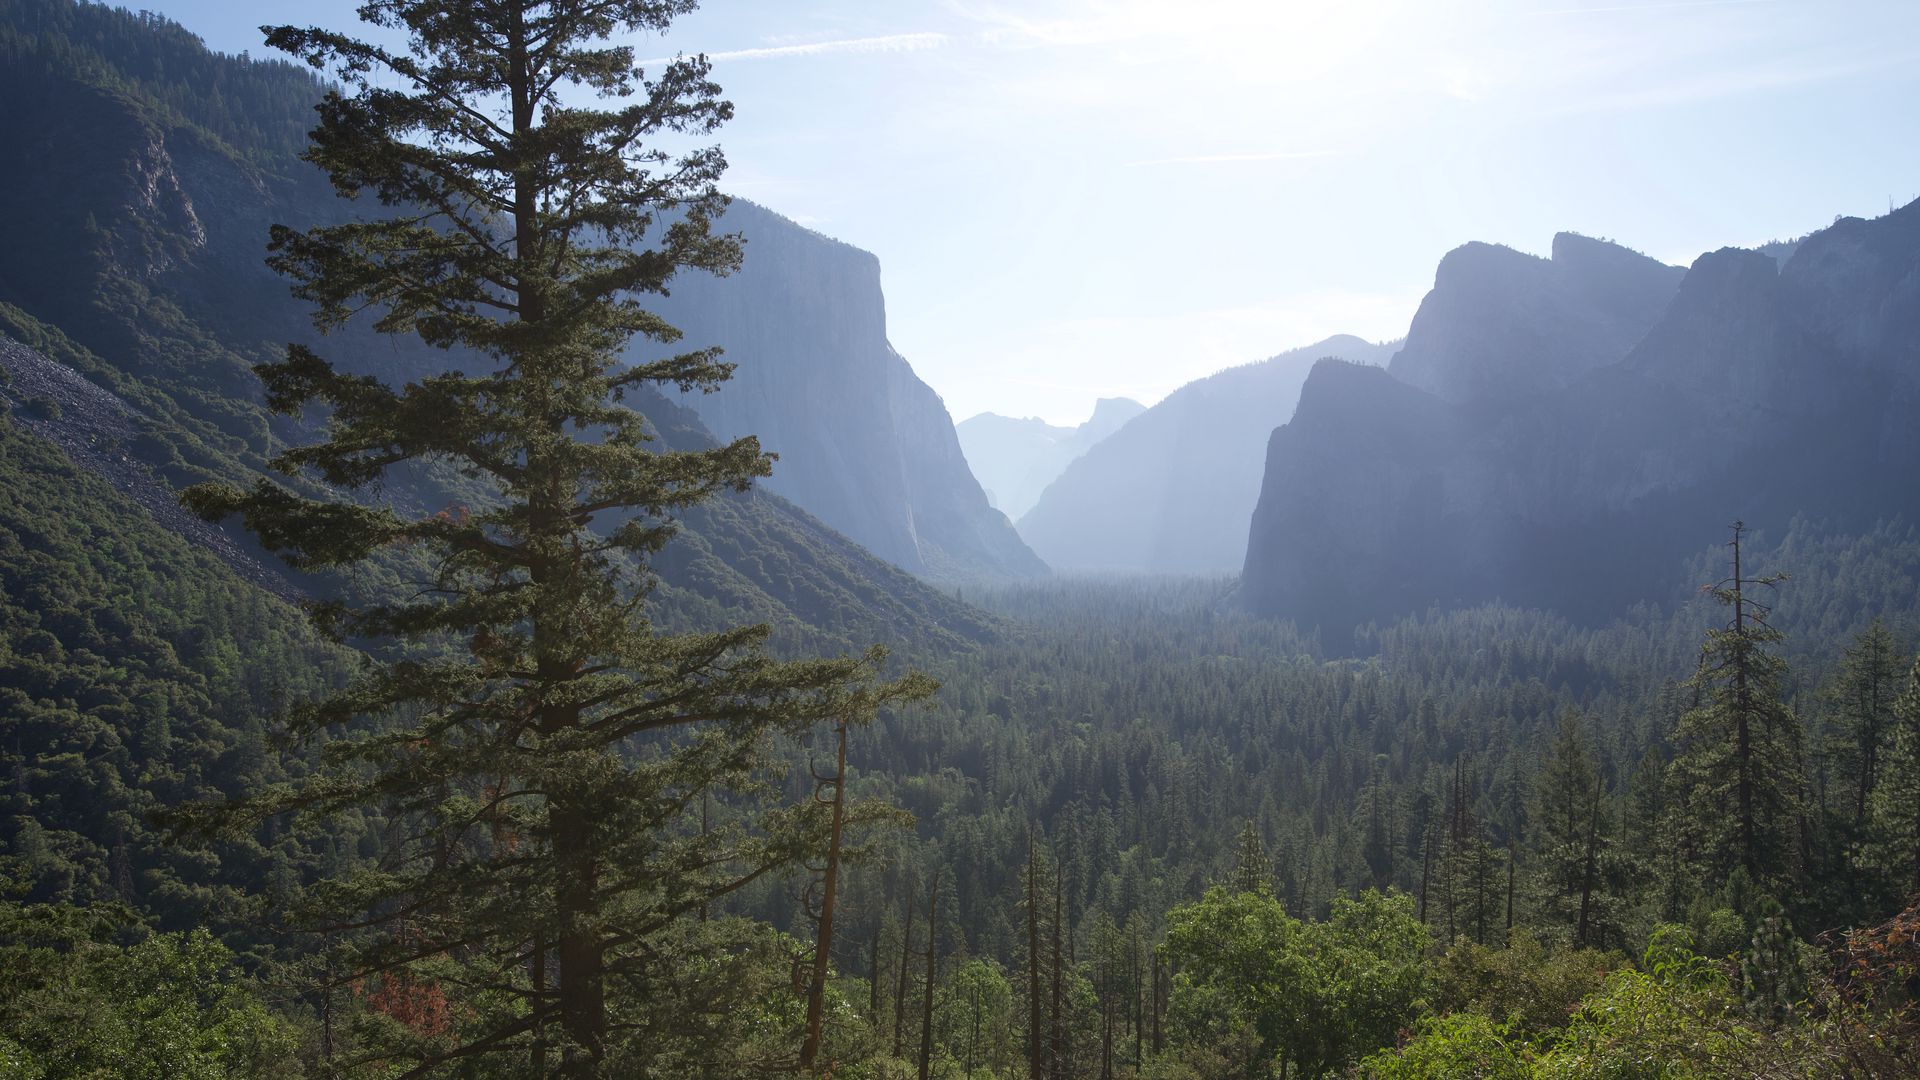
(1761, 392)
(1500, 323)
(864, 445)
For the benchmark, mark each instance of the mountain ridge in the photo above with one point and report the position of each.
(1172, 491)
(1763, 390)
(1016, 458)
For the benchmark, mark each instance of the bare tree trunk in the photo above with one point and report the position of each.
(1106, 1021)
(1159, 1043)
(926, 1012)
(973, 1036)
(539, 979)
(1582, 932)
(1510, 870)
(900, 987)
(1034, 1067)
(873, 976)
(1426, 868)
(829, 893)
(1057, 1054)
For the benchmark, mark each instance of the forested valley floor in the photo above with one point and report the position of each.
(1186, 841)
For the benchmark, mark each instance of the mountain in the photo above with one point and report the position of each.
(136, 299)
(863, 443)
(1762, 391)
(1015, 459)
(1172, 491)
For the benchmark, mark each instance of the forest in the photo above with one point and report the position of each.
(555, 751)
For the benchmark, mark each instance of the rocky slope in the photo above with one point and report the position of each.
(135, 297)
(1762, 391)
(1501, 323)
(864, 444)
(1173, 490)
(1016, 458)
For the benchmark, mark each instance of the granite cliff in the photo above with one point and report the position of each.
(864, 445)
(1763, 390)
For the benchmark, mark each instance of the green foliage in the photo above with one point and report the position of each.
(78, 1004)
(1252, 870)
(1677, 1017)
(1739, 766)
(1773, 979)
(976, 1030)
(1577, 877)
(1459, 1046)
(538, 739)
(1896, 797)
(1316, 995)
(134, 673)
(1529, 988)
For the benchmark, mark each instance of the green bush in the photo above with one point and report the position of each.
(1462, 1046)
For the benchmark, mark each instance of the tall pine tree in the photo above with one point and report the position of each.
(1896, 797)
(539, 748)
(1739, 764)
(1572, 840)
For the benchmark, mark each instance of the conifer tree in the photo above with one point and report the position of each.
(1860, 701)
(1738, 768)
(1252, 870)
(535, 741)
(1897, 795)
(1572, 836)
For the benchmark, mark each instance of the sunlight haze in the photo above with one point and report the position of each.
(1072, 199)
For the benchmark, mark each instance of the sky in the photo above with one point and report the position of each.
(1076, 199)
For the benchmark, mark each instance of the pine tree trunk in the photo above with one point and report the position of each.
(829, 890)
(900, 987)
(1034, 1065)
(1588, 866)
(926, 1012)
(538, 976)
(873, 977)
(1057, 1053)
(1743, 730)
(581, 949)
(1159, 1043)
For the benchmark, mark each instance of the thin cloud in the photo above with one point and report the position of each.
(1223, 159)
(1776, 76)
(1657, 5)
(886, 43)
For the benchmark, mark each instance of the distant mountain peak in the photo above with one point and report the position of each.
(1173, 489)
(1015, 459)
(1500, 322)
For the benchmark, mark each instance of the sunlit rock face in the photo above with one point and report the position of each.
(1554, 476)
(864, 445)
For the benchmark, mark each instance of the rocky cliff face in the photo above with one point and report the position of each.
(1500, 323)
(864, 444)
(1761, 391)
(1015, 459)
(135, 298)
(1172, 491)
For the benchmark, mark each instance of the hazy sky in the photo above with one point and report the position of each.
(1081, 198)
